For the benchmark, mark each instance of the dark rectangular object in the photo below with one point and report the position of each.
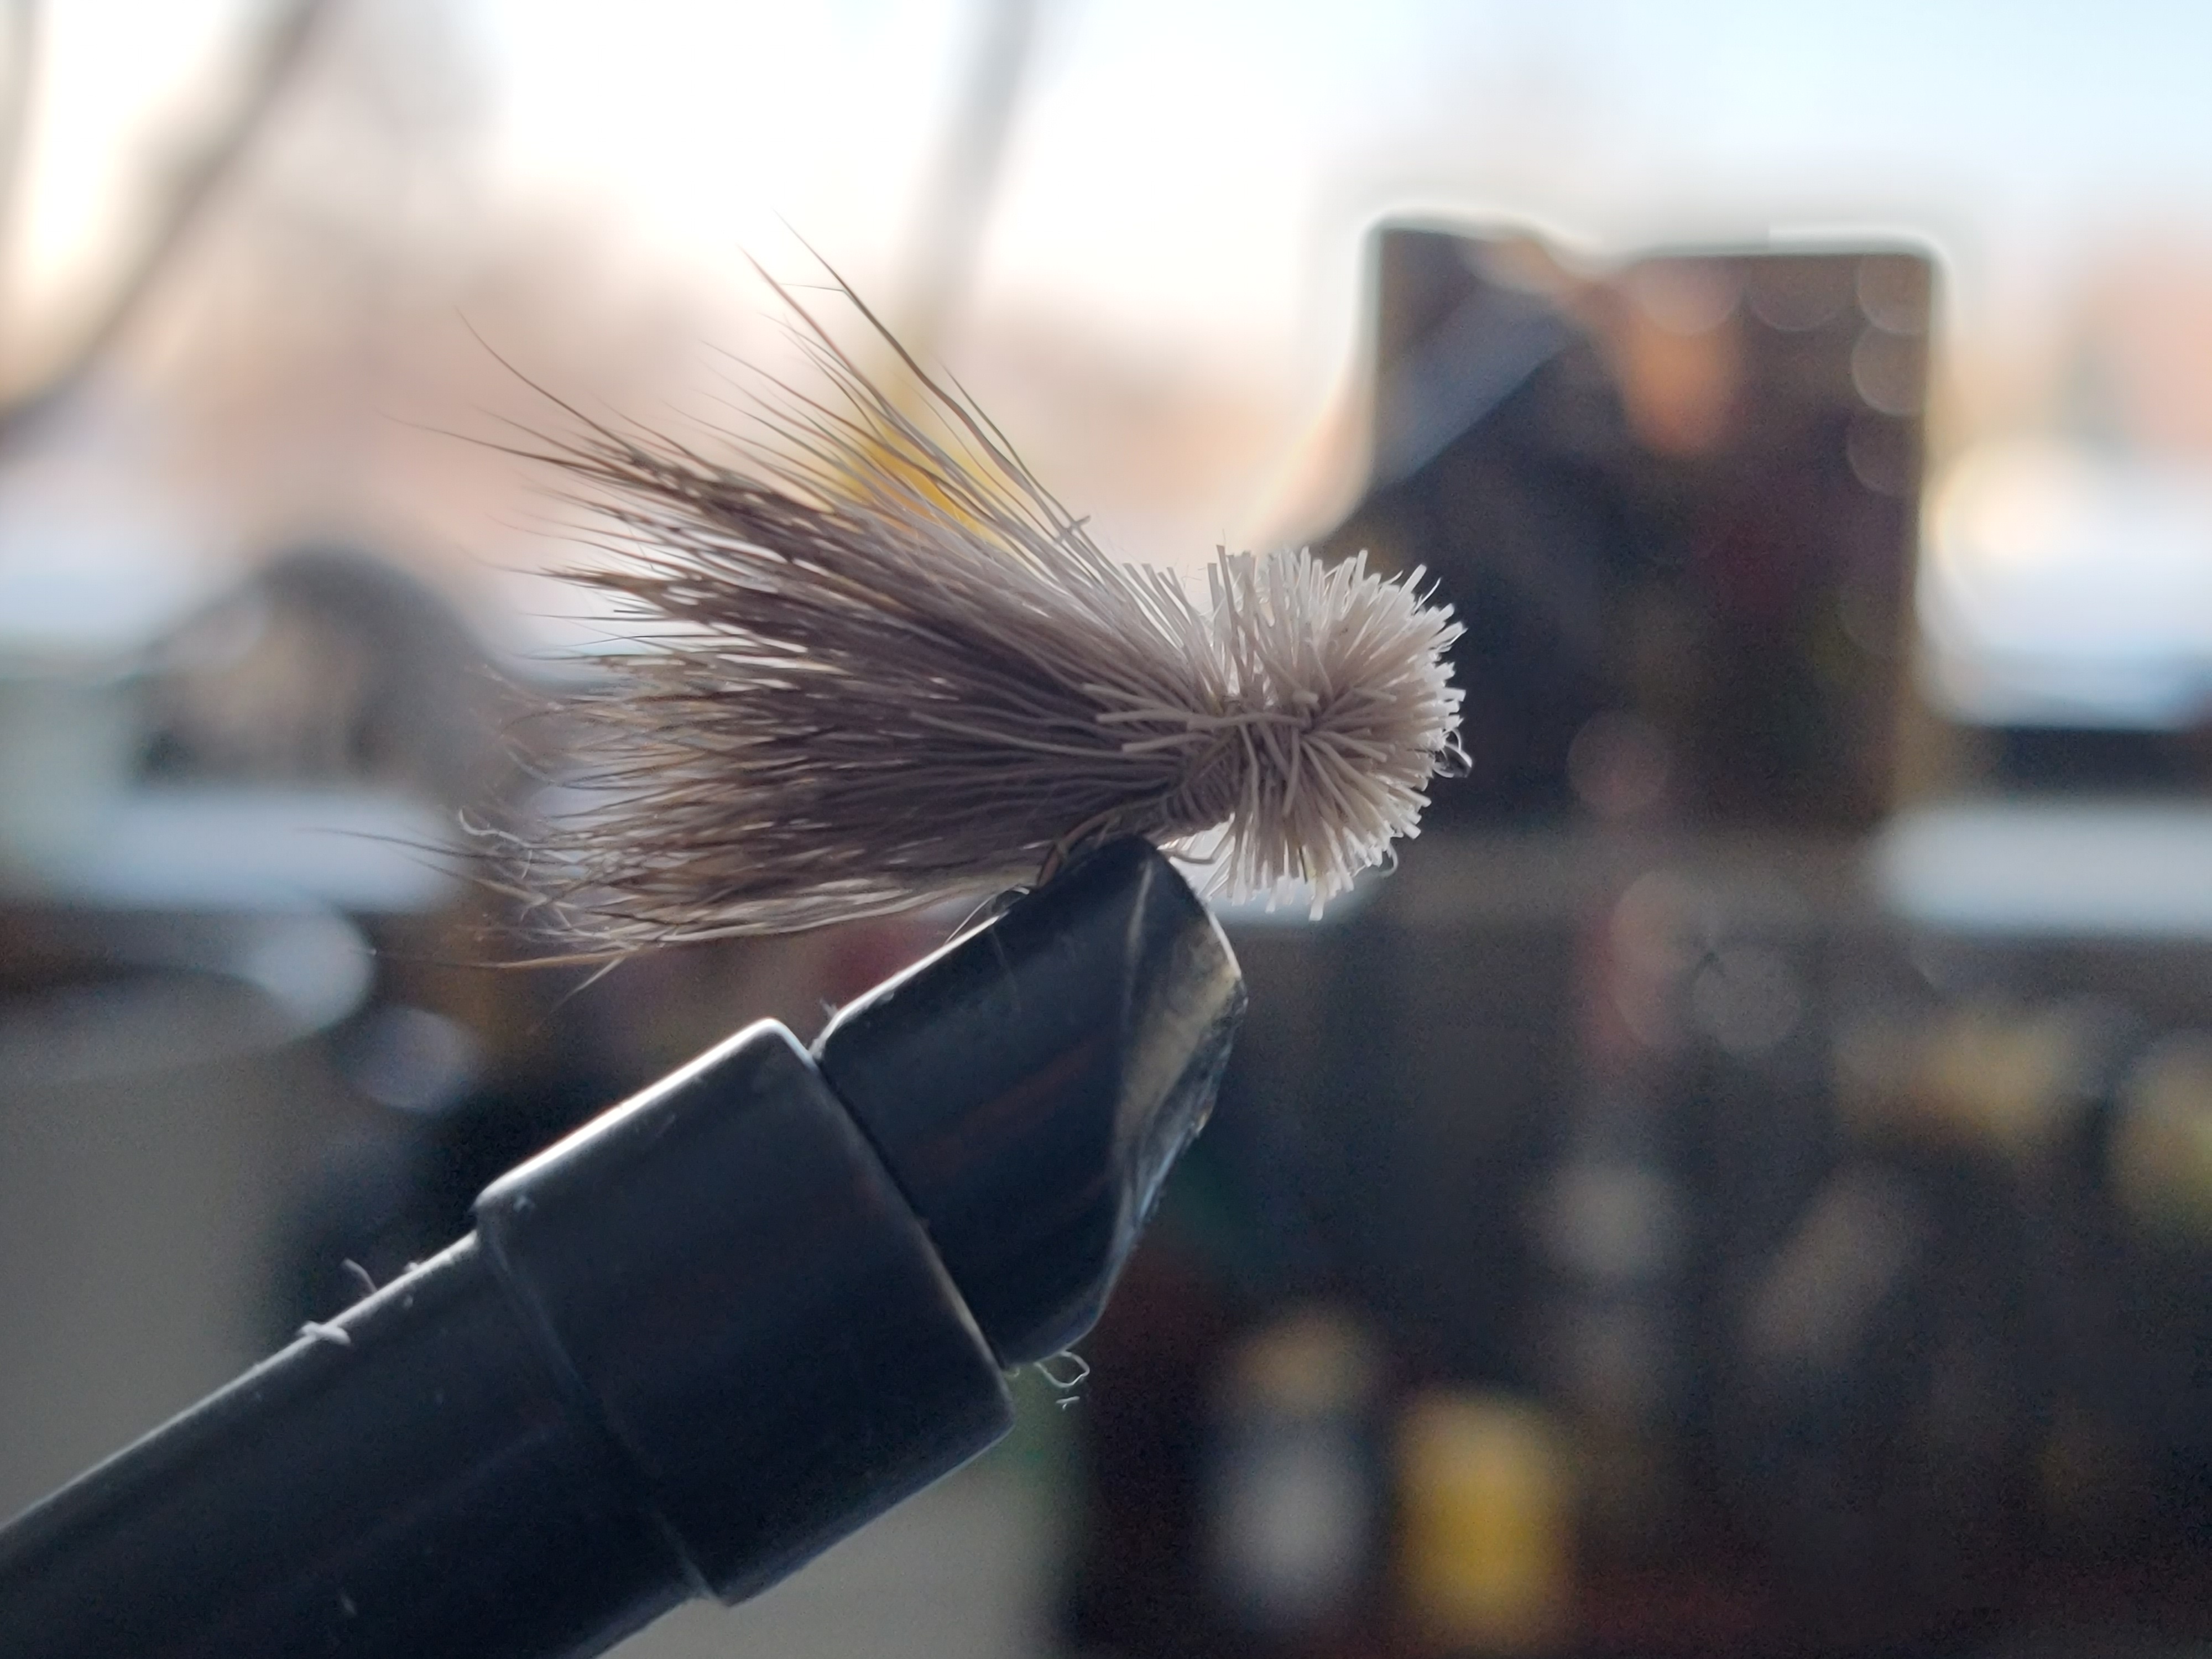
(1674, 502)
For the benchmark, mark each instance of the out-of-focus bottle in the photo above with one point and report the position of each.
(1487, 1513)
(1294, 1487)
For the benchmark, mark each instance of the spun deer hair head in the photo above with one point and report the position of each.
(876, 664)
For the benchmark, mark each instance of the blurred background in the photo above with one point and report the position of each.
(1743, 1184)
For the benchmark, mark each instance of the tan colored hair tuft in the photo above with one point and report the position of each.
(878, 664)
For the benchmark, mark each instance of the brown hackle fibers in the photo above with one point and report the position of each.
(875, 663)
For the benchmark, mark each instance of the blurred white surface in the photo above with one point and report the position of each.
(2078, 870)
(246, 850)
(2065, 586)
